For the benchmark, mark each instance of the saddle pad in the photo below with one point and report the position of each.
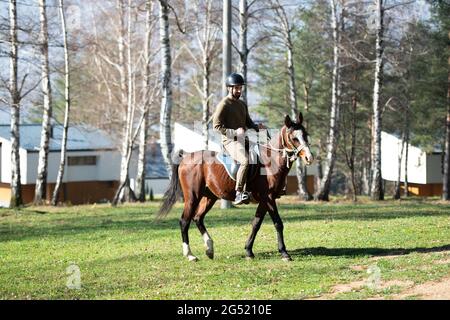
(232, 166)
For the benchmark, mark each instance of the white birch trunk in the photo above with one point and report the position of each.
(243, 47)
(62, 162)
(124, 192)
(406, 193)
(143, 134)
(286, 30)
(226, 61)
(205, 101)
(399, 170)
(16, 187)
(377, 188)
(166, 101)
(324, 190)
(41, 181)
(208, 44)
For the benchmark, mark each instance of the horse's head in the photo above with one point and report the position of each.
(294, 139)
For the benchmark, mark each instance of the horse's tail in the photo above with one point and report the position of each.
(174, 191)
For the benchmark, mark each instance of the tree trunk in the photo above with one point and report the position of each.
(125, 193)
(446, 175)
(406, 154)
(243, 48)
(319, 169)
(399, 164)
(208, 45)
(143, 134)
(377, 187)
(226, 61)
(353, 146)
(16, 186)
(205, 100)
(67, 106)
(365, 177)
(41, 181)
(300, 169)
(166, 102)
(141, 170)
(323, 192)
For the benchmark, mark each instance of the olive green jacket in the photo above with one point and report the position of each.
(230, 115)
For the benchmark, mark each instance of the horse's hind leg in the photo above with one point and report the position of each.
(205, 205)
(190, 206)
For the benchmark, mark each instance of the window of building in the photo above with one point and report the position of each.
(82, 161)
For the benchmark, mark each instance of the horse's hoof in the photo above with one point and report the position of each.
(209, 254)
(286, 258)
(192, 258)
(249, 256)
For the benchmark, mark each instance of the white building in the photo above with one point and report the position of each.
(424, 169)
(92, 165)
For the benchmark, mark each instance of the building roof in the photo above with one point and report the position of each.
(155, 166)
(80, 137)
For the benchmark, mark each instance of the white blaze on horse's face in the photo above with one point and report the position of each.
(305, 152)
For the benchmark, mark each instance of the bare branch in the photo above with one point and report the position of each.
(399, 4)
(176, 18)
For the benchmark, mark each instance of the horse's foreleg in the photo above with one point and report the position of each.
(256, 224)
(273, 212)
(204, 206)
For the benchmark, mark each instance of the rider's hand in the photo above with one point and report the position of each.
(261, 126)
(240, 131)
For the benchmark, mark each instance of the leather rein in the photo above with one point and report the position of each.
(289, 150)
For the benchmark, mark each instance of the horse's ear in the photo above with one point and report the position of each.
(300, 118)
(287, 121)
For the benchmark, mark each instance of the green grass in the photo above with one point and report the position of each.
(123, 253)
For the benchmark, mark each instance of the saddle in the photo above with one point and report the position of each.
(232, 166)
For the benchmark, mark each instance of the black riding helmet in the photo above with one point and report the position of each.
(235, 79)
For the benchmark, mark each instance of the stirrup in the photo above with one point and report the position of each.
(241, 198)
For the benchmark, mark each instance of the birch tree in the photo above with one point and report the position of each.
(166, 99)
(67, 101)
(126, 74)
(377, 187)
(226, 61)
(16, 187)
(324, 189)
(247, 12)
(149, 95)
(243, 47)
(206, 34)
(285, 31)
(41, 181)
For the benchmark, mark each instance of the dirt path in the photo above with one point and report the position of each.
(432, 290)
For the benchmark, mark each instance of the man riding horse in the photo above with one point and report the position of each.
(202, 180)
(232, 119)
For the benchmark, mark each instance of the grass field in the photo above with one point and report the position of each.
(123, 253)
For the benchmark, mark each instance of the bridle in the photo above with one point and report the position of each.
(289, 149)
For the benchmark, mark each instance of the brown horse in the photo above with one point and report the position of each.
(203, 180)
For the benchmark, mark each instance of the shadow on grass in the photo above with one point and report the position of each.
(138, 221)
(357, 252)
